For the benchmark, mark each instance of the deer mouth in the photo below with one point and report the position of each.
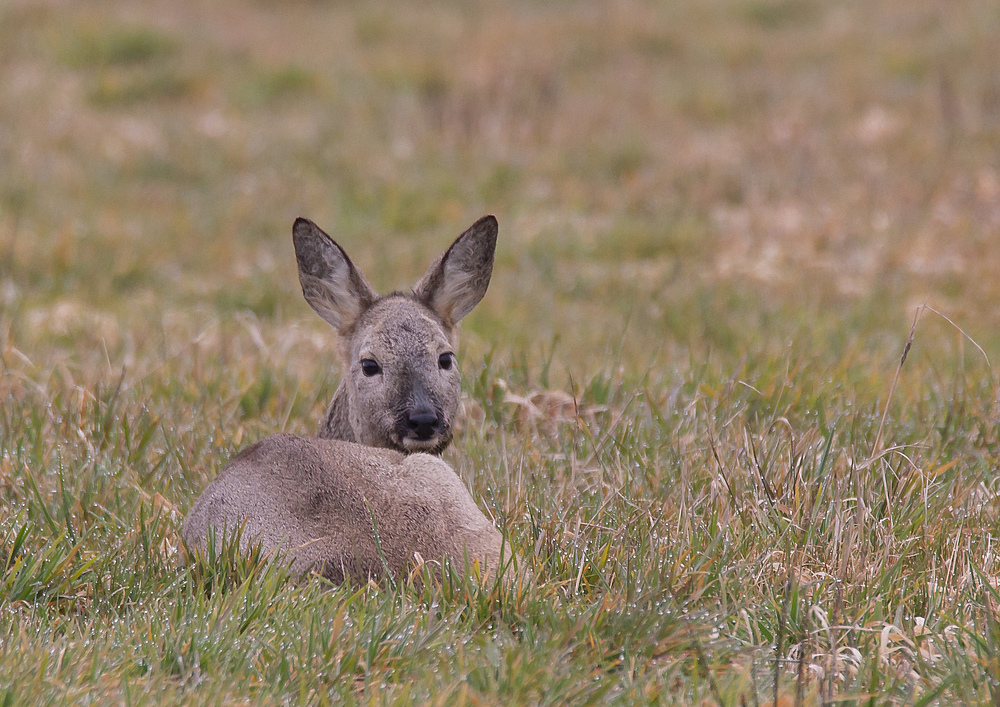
(411, 444)
(421, 429)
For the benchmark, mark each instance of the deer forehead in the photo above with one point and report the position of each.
(398, 327)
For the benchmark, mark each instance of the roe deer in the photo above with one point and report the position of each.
(368, 494)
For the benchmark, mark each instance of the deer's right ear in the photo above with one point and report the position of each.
(332, 286)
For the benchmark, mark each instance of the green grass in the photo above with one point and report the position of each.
(116, 46)
(717, 220)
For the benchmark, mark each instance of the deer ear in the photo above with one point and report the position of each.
(457, 281)
(332, 286)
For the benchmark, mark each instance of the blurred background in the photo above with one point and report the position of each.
(673, 180)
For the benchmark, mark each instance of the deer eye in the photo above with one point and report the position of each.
(370, 368)
(446, 360)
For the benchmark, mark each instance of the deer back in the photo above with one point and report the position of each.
(342, 509)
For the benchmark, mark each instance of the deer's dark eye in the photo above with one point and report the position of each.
(446, 361)
(370, 368)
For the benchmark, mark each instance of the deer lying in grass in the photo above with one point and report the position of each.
(369, 495)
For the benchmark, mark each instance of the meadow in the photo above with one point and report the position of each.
(729, 394)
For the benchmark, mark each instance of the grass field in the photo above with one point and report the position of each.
(685, 405)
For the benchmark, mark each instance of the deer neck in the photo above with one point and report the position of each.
(337, 424)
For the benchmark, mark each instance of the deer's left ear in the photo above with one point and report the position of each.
(457, 281)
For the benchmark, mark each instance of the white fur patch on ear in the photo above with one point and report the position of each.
(460, 292)
(457, 281)
(331, 300)
(332, 286)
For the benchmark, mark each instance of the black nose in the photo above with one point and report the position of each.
(422, 423)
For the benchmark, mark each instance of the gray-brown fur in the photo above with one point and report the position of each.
(314, 498)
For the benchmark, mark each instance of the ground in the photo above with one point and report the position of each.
(684, 396)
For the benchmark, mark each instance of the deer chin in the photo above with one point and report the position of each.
(431, 445)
